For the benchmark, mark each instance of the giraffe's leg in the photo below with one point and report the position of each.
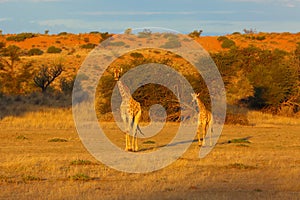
(204, 129)
(130, 144)
(134, 131)
(126, 126)
(127, 139)
(199, 138)
(210, 133)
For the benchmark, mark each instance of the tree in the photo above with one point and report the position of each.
(46, 76)
(66, 86)
(195, 33)
(128, 31)
(12, 70)
(13, 53)
(145, 33)
(250, 31)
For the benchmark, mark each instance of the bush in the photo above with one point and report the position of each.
(63, 33)
(104, 36)
(80, 177)
(20, 37)
(171, 44)
(57, 140)
(94, 32)
(136, 55)
(88, 46)
(35, 51)
(86, 39)
(195, 33)
(67, 85)
(222, 38)
(228, 43)
(145, 33)
(81, 162)
(2, 45)
(54, 49)
(262, 37)
(117, 44)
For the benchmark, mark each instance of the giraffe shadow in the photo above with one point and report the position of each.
(168, 145)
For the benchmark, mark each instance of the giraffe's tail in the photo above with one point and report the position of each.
(138, 128)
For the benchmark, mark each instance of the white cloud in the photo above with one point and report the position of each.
(123, 13)
(285, 3)
(4, 19)
(137, 13)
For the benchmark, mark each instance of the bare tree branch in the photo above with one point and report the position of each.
(46, 76)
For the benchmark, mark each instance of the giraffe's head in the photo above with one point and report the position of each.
(117, 73)
(195, 96)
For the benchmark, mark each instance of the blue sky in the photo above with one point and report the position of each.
(213, 17)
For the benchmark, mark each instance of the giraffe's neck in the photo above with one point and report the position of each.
(201, 105)
(124, 91)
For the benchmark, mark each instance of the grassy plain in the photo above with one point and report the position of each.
(42, 157)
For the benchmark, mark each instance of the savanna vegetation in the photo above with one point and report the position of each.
(255, 78)
(43, 157)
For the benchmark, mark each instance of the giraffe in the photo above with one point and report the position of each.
(204, 121)
(130, 114)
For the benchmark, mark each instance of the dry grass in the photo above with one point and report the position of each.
(45, 118)
(268, 166)
(262, 119)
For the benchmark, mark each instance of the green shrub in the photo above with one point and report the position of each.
(261, 37)
(80, 177)
(20, 37)
(195, 33)
(104, 36)
(171, 44)
(94, 32)
(88, 46)
(86, 39)
(145, 33)
(53, 49)
(228, 43)
(67, 85)
(57, 140)
(136, 55)
(81, 162)
(222, 38)
(31, 178)
(2, 45)
(21, 137)
(63, 33)
(117, 44)
(35, 51)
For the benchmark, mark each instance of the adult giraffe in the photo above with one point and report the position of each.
(130, 113)
(204, 120)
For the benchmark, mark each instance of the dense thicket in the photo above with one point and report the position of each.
(261, 78)
(254, 78)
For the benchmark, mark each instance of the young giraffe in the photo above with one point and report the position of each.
(204, 121)
(130, 114)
